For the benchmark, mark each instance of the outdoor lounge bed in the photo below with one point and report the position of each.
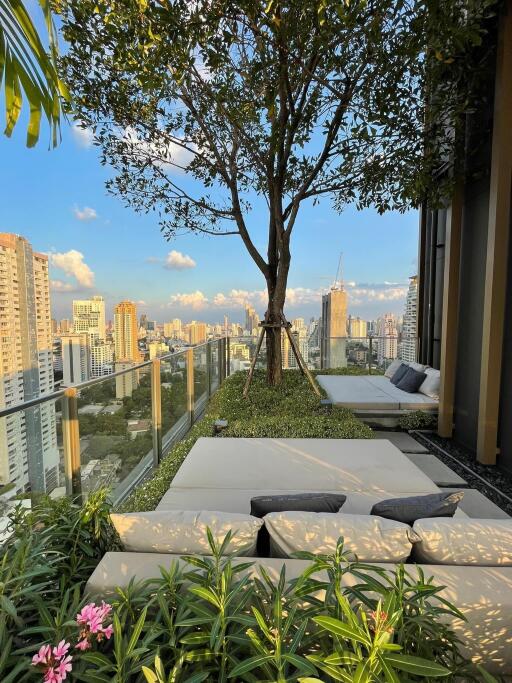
(223, 474)
(372, 393)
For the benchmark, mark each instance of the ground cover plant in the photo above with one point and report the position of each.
(210, 619)
(290, 410)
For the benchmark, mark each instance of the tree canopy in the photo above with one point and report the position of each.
(202, 108)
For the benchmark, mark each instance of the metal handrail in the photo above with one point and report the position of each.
(56, 395)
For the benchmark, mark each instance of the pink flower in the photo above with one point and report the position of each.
(65, 667)
(52, 676)
(43, 656)
(83, 644)
(107, 632)
(61, 650)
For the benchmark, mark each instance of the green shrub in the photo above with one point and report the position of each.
(418, 419)
(291, 410)
(314, 427)
(44, 564)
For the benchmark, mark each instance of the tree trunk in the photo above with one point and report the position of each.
(276, 299)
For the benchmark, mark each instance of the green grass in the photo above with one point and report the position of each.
(291, 410)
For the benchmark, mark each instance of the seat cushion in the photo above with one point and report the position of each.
(392, 368)
(483, 595)
(371, 465)
(481, 542)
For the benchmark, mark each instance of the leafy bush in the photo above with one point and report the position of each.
(417, 419)
(291, 410)
(44, 565)
(216, 619)
(315, 427)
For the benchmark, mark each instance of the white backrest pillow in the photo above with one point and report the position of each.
(181, 532)
(371, 538)
(464, 541)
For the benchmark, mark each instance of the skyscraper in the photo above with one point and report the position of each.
(29, 456)
(196, 333)
(125, 332)
(76, 358)
(387, 341)
(89, 317)
(333, 333)
(408, 345)
(126, 346)
(252, 320)
(357, 328)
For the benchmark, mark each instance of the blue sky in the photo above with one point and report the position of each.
(57, 199)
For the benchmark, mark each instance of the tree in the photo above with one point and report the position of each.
(204, 108)
(26, 69)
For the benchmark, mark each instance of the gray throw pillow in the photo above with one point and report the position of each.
(399, 373)
(408, 510)
(411, 381)
(298, 502)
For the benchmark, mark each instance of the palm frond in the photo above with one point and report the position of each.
(28, 71)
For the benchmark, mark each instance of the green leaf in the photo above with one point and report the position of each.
(249, 665)
(206, 594)
(342, 630)
(416, 665)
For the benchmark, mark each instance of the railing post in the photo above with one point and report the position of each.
(190, 385)
(228, 357)
(221, 360)
(156, 410)
(209, 367)
(370, 356)
(71, 443)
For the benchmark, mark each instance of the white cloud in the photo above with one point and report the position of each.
(175, 260)
(141, 302)
(73, 265)
(84, 137)
(296, 297)
(85, 214)
(159, 150)
(195, 300)
(61, 286)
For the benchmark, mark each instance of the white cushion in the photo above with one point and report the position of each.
(481, 542)
(184, 531)
(417, 366)
(431, 384)
(392, 368)
(370, 538)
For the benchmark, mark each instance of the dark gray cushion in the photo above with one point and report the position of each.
(411, 381)
(408, 510)
(399, 373)
(304, 502)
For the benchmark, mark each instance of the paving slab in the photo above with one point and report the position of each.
(440, 473)
(405, 442)
(476, 505)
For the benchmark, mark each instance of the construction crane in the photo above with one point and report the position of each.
(338, 281)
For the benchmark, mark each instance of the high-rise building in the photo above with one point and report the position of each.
(29, 457)
(408, 344)
(126, 346)
(89, 317)
(252, 320)
(102, 359)
(196, 333)
(157, 349)
(125, 332)
(76, 358)
(65, 326)
(357, 328)
(387, 339)
(173, 329)
(333, 332)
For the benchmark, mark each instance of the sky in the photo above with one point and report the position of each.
(56, 198)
